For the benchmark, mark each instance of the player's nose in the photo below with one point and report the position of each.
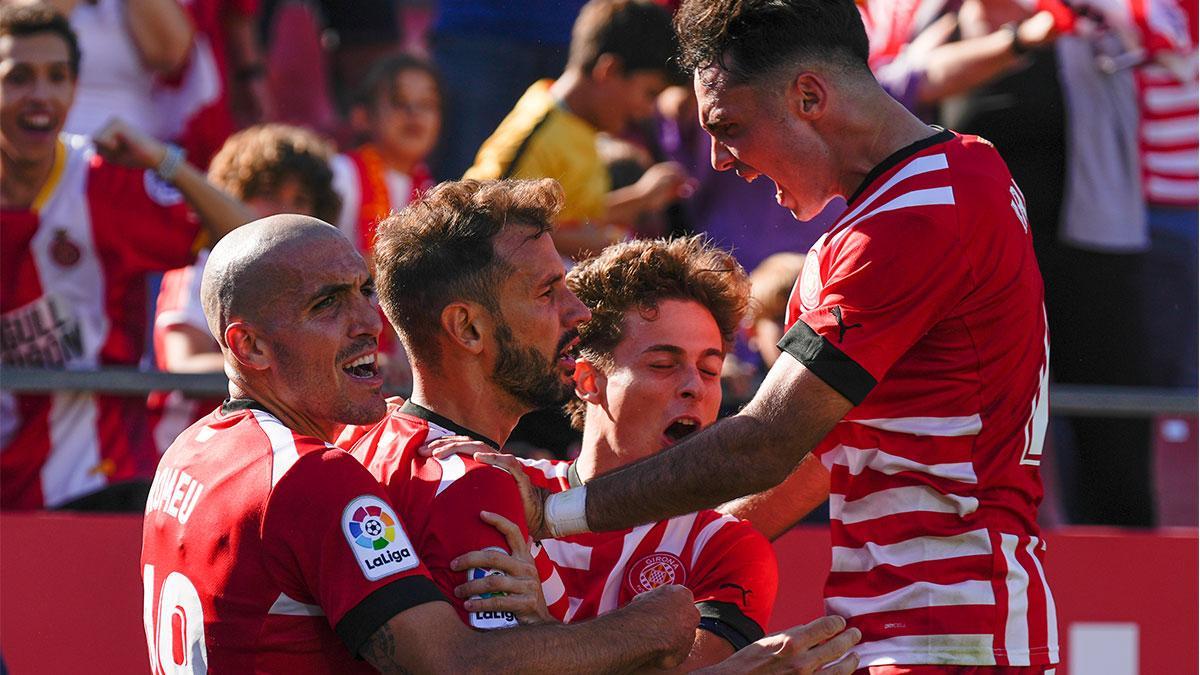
(721, 158)
(575, 312)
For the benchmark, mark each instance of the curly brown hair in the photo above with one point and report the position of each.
(638, 275)
(258, 160)
(440, 249)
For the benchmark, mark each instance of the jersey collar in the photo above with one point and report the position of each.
(418, 410)
(940, 136)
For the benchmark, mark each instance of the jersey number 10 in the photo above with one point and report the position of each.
(175, 628)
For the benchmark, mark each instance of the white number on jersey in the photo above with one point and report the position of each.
(175, 632)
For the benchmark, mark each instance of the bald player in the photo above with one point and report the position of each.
(265, 549)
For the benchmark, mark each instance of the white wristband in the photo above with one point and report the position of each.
(566, 512)
(170, 163)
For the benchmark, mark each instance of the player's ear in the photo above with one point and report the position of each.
(589, 382)
(247, 347)
(807, 95)
(465, 323)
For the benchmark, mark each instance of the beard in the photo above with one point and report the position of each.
(527, 375)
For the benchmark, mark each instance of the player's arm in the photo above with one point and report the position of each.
(743, 454)
(219, 212)
(655, 629)
(777, 510)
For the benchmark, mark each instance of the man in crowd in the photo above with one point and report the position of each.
(617, 66)
(664, 314)
(84, 221)
(916, 366)
(264, 546)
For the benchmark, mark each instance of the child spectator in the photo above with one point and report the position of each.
(618, 64)
(399, 111)
(272, 168)
(771, 285)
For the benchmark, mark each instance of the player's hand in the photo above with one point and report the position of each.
(532, 496)
(121, 144)
(518, 590)
(674, 617)
(811, 649)
(446, 446)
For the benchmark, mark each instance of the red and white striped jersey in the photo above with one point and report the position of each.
(441, 500)
(1168, 98)
(74, 270)
(178, 305)
(727, 564)
(922, 305)
(267, 551)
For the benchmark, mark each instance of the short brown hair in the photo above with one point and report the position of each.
(771, 285)
(23, 20)
(381, 77)
(637, 32)
(440, 249)
(638, 275)
(256, 161)
(752, 38)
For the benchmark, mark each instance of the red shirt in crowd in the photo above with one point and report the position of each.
(73, 296)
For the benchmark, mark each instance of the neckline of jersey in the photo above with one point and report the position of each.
(940, 136)
(418, 410)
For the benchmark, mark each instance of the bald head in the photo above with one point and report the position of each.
(252, 266)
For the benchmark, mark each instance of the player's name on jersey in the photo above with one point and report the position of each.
(175, 493)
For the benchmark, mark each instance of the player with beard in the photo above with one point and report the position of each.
(470, 278)
(265, 549)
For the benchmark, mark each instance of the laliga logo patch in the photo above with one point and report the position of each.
(376, 540)
(489, 620)
(654, 570)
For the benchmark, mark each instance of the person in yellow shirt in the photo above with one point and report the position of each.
(617, 65)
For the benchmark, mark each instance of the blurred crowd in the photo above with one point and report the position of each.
(346, 110)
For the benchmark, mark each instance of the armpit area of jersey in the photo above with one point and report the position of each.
(361, 622)
(727, 621)
(828, 362)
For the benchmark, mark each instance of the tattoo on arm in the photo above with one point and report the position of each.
(380, 652)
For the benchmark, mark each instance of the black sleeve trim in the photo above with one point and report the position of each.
(828, 362)
(361, 622)
(726, 620)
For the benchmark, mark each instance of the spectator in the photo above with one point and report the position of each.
(618, 64)
(84, 221)
(771, 285)
(127, 46)
(398, 110)
(489, 52)
(273, 169)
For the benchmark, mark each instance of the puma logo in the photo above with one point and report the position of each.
(836, 311)
(745, 592)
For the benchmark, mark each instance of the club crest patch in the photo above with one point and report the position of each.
(654, 570)
(376, 538)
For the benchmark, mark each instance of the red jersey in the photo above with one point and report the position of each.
(267, 551)
(922, 305)
(727, 564)
(73, 270)
(442, 499)
(370, 191)
(178, 305)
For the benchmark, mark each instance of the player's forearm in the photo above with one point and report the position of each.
(219, 212)
(616, 642)
(777, 510)
(744, 454)
(960, 66)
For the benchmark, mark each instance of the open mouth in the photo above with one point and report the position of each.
(566, 355)
(681, 429)
(38, 122)
(362, 368)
